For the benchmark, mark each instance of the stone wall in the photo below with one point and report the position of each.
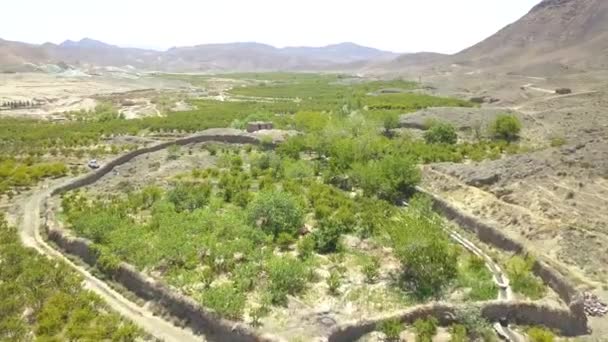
(233, 137)
(568, 293)
(199, 319)
(524, 313)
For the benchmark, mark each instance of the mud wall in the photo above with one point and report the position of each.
(206, 136)
(199, 319)
(524, 313)
(491, 235)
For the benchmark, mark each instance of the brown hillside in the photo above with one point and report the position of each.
(573, 33)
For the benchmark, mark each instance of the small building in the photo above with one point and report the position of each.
(258, 126)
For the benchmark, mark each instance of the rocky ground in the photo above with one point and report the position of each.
(553, 198)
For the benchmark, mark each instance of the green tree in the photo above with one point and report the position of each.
(390, 178)
(425, 329)
(276, 212)
(428, 259)
(286, 276)
(327, 236)
(441, 133)
(506, 127)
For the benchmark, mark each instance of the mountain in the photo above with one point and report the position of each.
(209, 57)
(570, 33)
(554, 36)
(340, 53)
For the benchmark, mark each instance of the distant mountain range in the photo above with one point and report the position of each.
(210, 57)
(555, 35)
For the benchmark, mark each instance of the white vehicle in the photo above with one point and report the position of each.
(93, 164)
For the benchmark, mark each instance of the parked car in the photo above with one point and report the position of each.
(93, 164)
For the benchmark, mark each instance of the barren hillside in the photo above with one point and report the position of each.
(573, 33)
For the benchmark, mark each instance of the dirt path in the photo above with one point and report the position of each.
(144, 318)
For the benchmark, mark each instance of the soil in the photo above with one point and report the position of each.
(553, 198)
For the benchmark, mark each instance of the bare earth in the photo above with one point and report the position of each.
(554, 198)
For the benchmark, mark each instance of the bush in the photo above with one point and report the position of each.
(390, 178)
(428, 259)
(327, 236)
(391, 328)
(522, 279)
(537, 334)
(459, 333)
(306, 247)
(506, 127)
(188, 197)
(441, 133)
(426, 329)
(225, 300)
(276, 212)
(334, 281)
(285, 240)
(371, 270)
(286, 276)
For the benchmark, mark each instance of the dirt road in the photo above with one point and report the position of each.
(145, 319)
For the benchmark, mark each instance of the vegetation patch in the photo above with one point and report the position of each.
(44, 299)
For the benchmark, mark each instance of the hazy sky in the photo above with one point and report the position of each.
(398, 25)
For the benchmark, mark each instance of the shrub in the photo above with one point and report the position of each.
(276, 212)
(441, 133)
(306, 247)
(327, 236)
(298, 170)
(286, 276)
(428, 259)
(506, 127)
(173, 152)
(537, 334)
(285, 240)
(391, 328)
(371, 270)
(459, 333)
(389, 178)
(258, 313)
(475, 325)
(225, 300)
(425, 329)
(334, 281)
(187, 196)
(522, 279)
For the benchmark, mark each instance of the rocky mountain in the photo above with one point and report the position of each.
(209, 57)
(568, 33)
(340, 53)
(556, 35)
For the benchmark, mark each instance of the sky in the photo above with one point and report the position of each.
(446, 26)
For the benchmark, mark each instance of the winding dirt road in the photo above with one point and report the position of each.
(142, 317)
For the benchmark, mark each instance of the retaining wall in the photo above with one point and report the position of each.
(491, 235)
(199, 319)
(525, 313)
(206, 136)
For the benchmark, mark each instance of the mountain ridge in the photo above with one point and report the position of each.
(238, 56)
